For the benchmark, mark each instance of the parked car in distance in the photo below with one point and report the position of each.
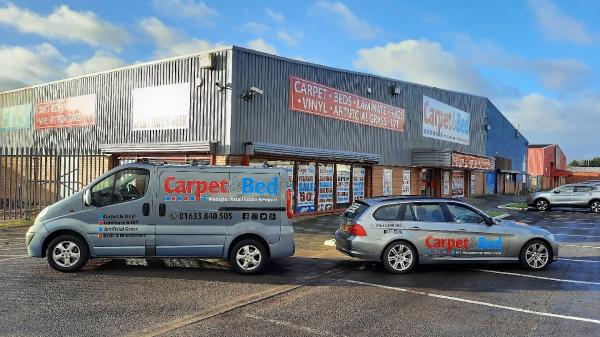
(571, 195)
(145, 210)
(403, 231)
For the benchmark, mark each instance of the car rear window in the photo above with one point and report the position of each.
(355, 210)
(387, 213)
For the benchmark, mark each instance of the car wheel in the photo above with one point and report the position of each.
(249, 257)
(542, 205)
(67, 253)
(535, 255)
(399, 257)
(595, 206)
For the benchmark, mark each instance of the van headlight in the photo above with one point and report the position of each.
(40, 216)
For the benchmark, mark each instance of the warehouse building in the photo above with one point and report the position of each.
(547, 166)
(342, 135)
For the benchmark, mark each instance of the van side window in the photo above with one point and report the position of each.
(125, 185)
(387, 213)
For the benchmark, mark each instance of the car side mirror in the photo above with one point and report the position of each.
(87, 197)
(556, 191)
(489, 221)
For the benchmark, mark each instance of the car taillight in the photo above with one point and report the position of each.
(288, 203)
(357, 230)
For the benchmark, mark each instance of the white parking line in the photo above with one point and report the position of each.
(576, 260)
(537, 277)
(287, 324)
(579, 246)
(458, 299)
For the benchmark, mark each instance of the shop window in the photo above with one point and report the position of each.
(288, 165)
(306, 187)
(358, 184)
(325, 201)
(342, 185)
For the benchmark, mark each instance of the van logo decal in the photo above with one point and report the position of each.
(177, 189)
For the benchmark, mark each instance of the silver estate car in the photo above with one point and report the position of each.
(403, 231)
(572, 195)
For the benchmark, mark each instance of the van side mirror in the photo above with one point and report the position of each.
(87, 197)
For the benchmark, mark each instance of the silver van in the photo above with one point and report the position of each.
(146, 210)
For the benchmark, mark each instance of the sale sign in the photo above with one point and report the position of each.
(72, 111)
(471, 162)
(317, 99)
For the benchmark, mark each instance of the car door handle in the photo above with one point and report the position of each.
(415, 227)
(146, 209)
(162, 209)
(461, 229)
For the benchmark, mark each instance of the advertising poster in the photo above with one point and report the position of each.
(444, 122)
(358, 185)
(306, 188)
(446, 183)
(387, 182)
(406, 182)
(473, 187)
(317, 99)
(72, 111)
(458, 184)
(16, 117)
(161, 108)
(472, 162)
(343, 184)
(325, 187)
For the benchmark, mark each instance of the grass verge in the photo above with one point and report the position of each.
(15, 223)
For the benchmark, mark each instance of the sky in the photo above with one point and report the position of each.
(536, 60)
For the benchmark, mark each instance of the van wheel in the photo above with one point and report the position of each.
(399, 257)
(535, 255)
(248, 257)
(67, 253)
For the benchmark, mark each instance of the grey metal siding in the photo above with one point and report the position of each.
(208, 111)
(268, 119)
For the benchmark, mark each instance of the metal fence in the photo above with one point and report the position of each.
(31, 179)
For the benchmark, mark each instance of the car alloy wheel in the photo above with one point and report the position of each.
(595, 206)
(537, 255)
(541, 205)
(248, 257)
(399, 258)
(66, 254)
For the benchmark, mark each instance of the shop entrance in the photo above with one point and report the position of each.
(431, 182)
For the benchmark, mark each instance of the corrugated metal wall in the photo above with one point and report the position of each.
(268, 119)
(502, 139)
(208, 115)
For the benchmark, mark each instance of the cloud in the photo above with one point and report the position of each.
(557, 25)
(22, 66)
(345, 18)
(189, 9)
(261, 45)
(562, 75)
(275, 16)
(254, 28)
(424, 62)
(66, 25)
(290, 38)
(173, 42)
(98, 62)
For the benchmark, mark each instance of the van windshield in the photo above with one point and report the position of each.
(355, 210)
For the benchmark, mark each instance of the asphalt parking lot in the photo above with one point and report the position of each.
(318, 292)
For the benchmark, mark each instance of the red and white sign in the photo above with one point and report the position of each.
(72, 111)
(317, 99)
(471, 162)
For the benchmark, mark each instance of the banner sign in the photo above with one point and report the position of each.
(343, 184)
(306, 188)
(317, 99)
(458, 184)
(358, 183)
(406, 182)
(16, 117)
(164, 107)
(472, 162)
(387, 182)
(444, 122)
(325, 187)
(72, 111)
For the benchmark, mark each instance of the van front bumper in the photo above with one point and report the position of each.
(34, 239)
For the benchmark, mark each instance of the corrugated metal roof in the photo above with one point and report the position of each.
(208, 147)
(309, 152)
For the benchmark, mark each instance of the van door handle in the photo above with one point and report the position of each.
(146, 209)
(162, 209)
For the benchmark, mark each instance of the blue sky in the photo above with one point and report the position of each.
(536, 60)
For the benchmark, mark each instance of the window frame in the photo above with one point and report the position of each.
(114, 174)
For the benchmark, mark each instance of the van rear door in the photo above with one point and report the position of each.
(189, 222)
